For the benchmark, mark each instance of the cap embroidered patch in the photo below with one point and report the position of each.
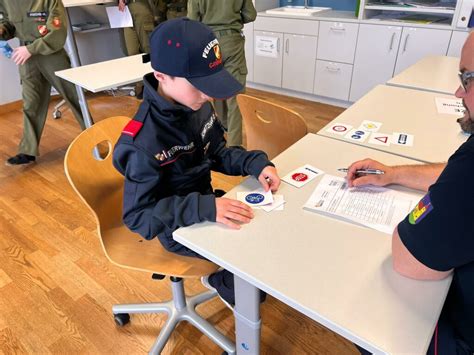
(132, 128)
(421, 210)
(43, 30)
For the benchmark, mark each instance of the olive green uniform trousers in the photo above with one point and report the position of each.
(232, 44)
(137, 37)
(37, 77)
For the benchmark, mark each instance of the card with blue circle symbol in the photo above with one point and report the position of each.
(357, 135)
(256, 198)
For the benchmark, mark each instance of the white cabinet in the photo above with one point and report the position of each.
(375, 57)
(332, 79)
(417, 43)
(457, 41)
(298, 62)
(268, 59)
(337, 41)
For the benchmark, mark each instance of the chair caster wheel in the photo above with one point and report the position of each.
(121, 319)
(57, 114)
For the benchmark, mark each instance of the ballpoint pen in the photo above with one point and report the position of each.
(364, 171)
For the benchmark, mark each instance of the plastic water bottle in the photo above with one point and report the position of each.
(6, 49)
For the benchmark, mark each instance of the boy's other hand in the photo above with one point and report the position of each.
(355, 179)
(229, 211)
(269, 179)
(21, 55)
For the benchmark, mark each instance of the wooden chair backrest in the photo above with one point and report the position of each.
(268, 126)
(100, 187)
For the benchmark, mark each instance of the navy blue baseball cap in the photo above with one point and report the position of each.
(189, 49)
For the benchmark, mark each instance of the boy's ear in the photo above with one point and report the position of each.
(159, 76)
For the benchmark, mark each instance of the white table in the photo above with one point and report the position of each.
(433, 73)
(436, 136)
(109, 74)
(336, 273)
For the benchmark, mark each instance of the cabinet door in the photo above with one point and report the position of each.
(337, 41)
(248, 33)
(267, 59)
(375, 58)
(417, 43)
(299, 61)
(332, 79)
(457, 41)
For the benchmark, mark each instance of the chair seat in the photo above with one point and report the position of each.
(127, 249)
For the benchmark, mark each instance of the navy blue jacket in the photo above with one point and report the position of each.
(166, 154)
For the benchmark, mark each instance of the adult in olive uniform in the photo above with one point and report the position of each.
(136, 37)
(169, 9)
(227, 18)
(40, 26)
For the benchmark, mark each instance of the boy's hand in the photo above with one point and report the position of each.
(228, 211)
(379, 180)
(269, 178)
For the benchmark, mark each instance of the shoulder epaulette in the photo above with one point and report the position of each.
(132, 128)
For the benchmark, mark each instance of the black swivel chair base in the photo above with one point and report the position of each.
(178, 309)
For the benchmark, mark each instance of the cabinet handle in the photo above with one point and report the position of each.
(406, 42)
(334, 70)
(287, 46)
(337, 28)
(391, 41)
(278, 45)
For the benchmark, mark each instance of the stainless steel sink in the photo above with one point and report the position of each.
(297, 10)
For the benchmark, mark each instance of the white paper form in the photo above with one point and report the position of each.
(119, 19)
(375, 207)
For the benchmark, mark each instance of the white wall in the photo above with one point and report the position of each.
(10, 89)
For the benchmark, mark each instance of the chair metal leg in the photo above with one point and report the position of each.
(178, 309)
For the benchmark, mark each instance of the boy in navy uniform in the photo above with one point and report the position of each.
(166, 153)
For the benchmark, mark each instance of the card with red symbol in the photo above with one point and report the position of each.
(302, 175)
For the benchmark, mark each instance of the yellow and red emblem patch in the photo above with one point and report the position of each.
(56, 22)
(43, 30)
(421, 210)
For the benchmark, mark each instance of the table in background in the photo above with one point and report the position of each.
(109, 74)
(436, 136)
(433, 73)
(337, 273)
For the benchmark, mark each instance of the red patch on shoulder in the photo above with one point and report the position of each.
(132, 128)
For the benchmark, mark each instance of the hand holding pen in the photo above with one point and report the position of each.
(368, 172)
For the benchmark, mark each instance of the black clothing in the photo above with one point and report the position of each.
(166, 155)
(439, 232)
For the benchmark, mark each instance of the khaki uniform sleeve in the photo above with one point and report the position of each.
(54, 40)
(249, 14)
(7, 29)
(194, 12)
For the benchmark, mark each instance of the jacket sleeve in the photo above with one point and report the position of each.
(236, 161)
(146, 214)
(54, 40)
(194, 12)
(249, 14)
(7, 28)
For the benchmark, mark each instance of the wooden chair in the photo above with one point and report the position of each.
(268, 126)
(100, 187)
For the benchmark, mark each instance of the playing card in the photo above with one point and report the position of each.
(302, 175)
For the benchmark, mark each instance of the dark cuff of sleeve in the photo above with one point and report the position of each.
(260, 163)
(207, 208)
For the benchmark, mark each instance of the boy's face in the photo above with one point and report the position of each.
(180, 90)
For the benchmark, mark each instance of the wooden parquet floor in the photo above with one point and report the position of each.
(56, 286)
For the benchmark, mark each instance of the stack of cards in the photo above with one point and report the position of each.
(302, 175)
(259, 199)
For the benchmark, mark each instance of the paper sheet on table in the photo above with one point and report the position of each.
(117, 18)
(375, 207)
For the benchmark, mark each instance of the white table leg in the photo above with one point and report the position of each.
(75, 62)
(247, 317)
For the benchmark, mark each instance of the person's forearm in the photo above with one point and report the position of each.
(419, 177)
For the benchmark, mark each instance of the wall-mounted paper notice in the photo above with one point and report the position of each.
(266, 46)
